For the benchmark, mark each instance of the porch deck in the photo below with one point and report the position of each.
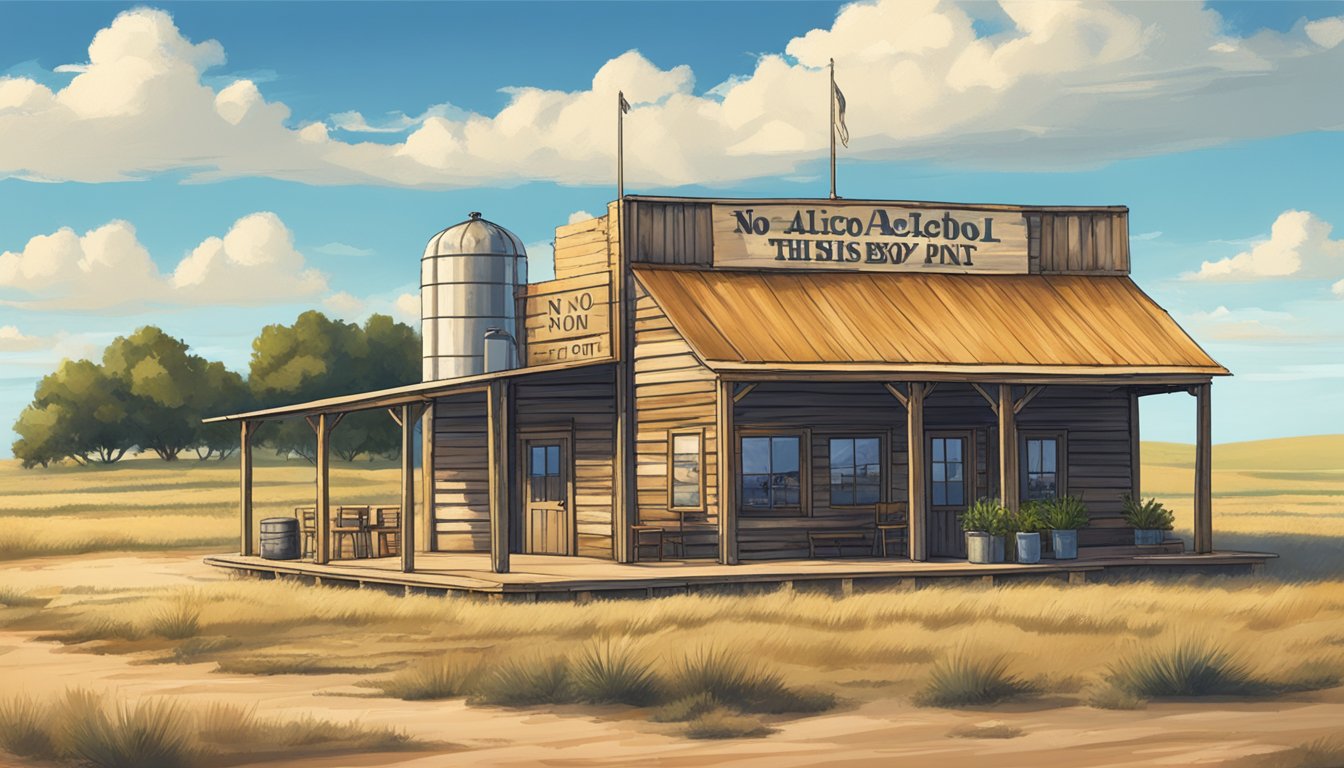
(535, 577)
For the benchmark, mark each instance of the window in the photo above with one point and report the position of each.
(948, 468)
(1042, 473)
(856, 471)
(771, 480)
(545, 480)
(687, 457)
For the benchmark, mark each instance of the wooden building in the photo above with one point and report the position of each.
(737, 379)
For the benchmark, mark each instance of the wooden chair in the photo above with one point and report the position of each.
(678, 537)
(640, 532)
(307, 517)
(386, 530)
(890, 517)
(352, 523)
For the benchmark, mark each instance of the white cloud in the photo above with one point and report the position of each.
(1147, 236)
(14, 340)
(406, 308)
(577, 216)
(344, 305)
(1063, 85)
(1338, 288)
(343, 249)
(253, 263)
(1299, 246)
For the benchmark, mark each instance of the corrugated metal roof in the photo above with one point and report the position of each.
(845, 321)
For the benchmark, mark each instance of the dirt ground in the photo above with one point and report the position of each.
(875, 733)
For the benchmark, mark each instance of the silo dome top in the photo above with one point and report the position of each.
(474, 236)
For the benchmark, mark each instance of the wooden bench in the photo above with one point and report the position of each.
(655, 532)
(835, 539)
(888, 518)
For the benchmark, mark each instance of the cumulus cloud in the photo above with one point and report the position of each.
(1062, 85)
(343, 249)
(1299, 246)
(406, 308)
(14, 340)
(577, 216)
(255, 262)
(344, 304)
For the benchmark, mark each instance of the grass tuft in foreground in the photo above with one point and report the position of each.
(1191, 668)
(431, 679)
(611, 673)
(24, 728)
(732, 681)
(964, 679)
(527, 682)
(148, 734)
(179, 620)
(724, 724)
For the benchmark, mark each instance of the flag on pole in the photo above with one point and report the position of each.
(838, 115)
(625, 105)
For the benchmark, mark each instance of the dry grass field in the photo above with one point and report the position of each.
(705, 667)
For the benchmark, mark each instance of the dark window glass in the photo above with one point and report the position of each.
(1042, 468)
(856, 471)
(947, 471)
(771, 478)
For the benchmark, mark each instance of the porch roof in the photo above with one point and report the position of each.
(882, 322)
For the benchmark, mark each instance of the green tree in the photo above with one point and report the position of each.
(78, 412)
(224, 392)
(168, 386)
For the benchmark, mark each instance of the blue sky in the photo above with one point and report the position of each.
(214, 167)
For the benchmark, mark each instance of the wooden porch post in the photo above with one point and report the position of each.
(1009, 490)
(428, 542)
(407, 543)
(322, 542)
(1135, 454)
(1203, 469)
(499, 434)
(245, 489)
(727, 473)
(919, 508)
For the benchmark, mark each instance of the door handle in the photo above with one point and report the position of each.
(562, 503)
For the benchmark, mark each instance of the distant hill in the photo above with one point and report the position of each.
(1281, 453)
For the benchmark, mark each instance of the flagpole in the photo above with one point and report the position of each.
(620, 145)
(831, 119)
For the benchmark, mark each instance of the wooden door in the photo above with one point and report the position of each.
(950, 477)
(548, 521)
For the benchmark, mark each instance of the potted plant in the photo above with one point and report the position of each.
(984, 523)
(1149, 519)
(1064, 515)
(1027, 523)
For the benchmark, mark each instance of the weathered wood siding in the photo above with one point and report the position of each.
(672, 391)
(1080, 243)
(670, 232)
(461, 475)
(581, 404)
(582, 248)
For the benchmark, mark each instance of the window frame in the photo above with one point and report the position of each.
(882, 477)
(804, 507)
(672, 434)
(1061, 438)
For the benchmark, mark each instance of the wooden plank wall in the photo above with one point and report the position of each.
(672, 391)
(671, 233)
(581, 248)
(581, 403)
(1080, 243)
(461, 479)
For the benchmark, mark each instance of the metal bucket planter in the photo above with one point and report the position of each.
(1065, 543)
(996, 547)
(1148, 538)
(979, 547)
(1029, 547)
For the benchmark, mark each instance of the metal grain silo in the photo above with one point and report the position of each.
(468, 276)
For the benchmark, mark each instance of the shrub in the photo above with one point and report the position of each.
(1192, 668)
(1029, 518)
(1065, 513)
(150, 734)
(179, 620)
(730, 680)
(24, 728)
(723, 724)
(961, 679)
(439, 678)
(1148, 514)
(606, 673)
(524, 683)
(985, 514)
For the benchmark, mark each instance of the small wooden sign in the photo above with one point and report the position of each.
(568, 320)
(846, 236)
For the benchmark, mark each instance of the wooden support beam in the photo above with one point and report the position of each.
(393, 412)
(246, 548)
(727, 469)
(993, 404)
(744, 390)
(322, 539)
(1135, 453)
(501, 476)
(900, 396)
(428, 542)
(918, 495)
(1031, 394)
(1008, 457)
(406, 418)
(1203, 470)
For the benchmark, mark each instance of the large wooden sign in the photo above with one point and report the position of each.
(869, 237)
(568, 320)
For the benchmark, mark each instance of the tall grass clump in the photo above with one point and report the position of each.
(724, 724)
(731, 680)
(964, 679)
(179, 620)
(25, 728)
(611, 673)
(1191, 668)
(148, 734)
(437, 678)
(527, 682)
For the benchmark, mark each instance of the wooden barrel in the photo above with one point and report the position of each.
(280, 538)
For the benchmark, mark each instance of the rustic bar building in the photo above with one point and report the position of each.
(721, 389)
